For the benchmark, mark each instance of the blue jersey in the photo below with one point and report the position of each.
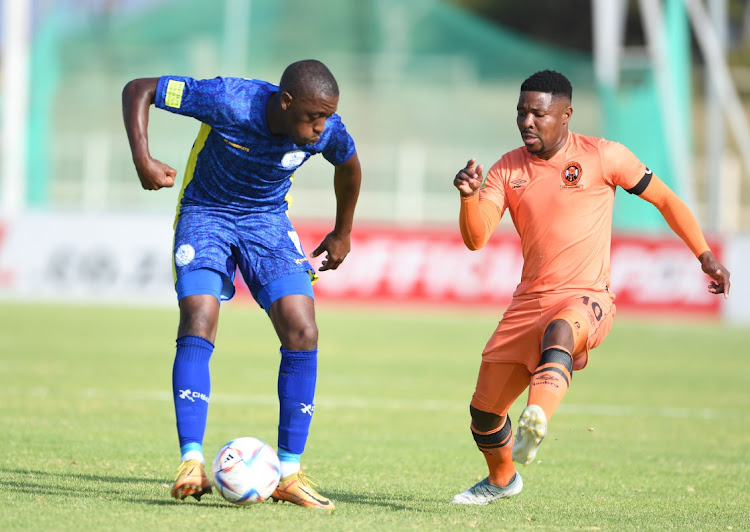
(237, 164)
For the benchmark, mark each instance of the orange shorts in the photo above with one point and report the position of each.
(517, 343)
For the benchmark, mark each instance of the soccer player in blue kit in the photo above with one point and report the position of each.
(232, 213)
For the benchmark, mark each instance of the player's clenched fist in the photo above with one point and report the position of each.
(469, 179)
(154, 174)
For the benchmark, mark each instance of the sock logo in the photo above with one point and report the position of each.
(307, 409)
(192, 396)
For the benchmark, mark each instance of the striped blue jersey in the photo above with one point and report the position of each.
(236, 163)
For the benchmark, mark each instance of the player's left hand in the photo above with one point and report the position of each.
(716, 270)
(337, 248)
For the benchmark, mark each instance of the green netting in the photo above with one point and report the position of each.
(425, 86)
(280, 31)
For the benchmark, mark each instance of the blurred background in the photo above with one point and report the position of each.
(425, 85)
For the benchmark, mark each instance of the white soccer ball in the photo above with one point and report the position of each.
(246, 471)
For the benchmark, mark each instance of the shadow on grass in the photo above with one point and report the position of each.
(78, 485)
(71, 484)
(65, 476)
(373, 499)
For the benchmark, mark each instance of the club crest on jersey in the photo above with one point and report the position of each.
(571, 175)
(292, 159)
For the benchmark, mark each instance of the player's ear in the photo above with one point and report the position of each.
(285, 100)
(567, 113)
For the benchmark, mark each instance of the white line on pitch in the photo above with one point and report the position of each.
(397, 404)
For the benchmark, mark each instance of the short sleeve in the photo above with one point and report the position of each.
(216, 102)
(339, 147)
(621, 167)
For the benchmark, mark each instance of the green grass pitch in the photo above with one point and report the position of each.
(653, 435)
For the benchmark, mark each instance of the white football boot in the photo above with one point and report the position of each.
(484, 492)
(532, 428)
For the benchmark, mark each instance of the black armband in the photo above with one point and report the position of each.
(642, 184)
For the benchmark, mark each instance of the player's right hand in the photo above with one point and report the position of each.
(154, 174)
(469, 179)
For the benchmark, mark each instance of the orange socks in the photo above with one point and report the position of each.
(496, 445)
(551, 379)
(548, 386)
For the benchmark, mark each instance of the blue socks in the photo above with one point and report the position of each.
(296, 387)
(191, 386)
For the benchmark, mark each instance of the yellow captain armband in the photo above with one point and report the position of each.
(174, 93)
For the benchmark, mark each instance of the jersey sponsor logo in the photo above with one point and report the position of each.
(174, 93)
(571, 175)
(184, 254)
(292, 159)
(233, 145)
(518, 183)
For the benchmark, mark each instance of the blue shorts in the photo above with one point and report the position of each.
(264, 247)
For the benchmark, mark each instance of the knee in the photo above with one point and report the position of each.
(198, 317)
(485, 421)
(558, 332)
(303, 337)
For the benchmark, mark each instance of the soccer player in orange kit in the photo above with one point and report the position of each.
(559, 189)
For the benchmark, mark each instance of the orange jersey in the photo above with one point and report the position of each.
(562, 210)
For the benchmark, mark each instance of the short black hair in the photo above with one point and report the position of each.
(550, 82)
(308, 77)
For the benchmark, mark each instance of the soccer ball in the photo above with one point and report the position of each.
(246, 471)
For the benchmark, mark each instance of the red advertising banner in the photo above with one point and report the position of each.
(127, 259)
(425, 266)
(660, 274)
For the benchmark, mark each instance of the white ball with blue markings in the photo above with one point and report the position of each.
(246, 471)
